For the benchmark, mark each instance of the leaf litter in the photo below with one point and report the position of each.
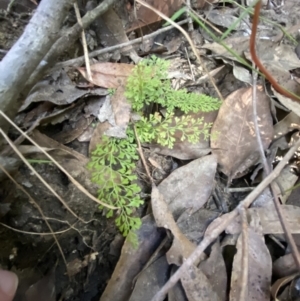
(182, 200)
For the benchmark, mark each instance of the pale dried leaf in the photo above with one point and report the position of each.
(225, 17)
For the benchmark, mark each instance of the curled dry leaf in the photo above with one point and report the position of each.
(108, 75)
(235, 144)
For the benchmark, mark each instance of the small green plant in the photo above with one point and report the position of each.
(113, 161)
(111, 91)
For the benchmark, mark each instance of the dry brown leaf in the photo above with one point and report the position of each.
(190, 186)
(108, 75)
(260, 269)
(142, 16)
(181, 248)
(235, 144)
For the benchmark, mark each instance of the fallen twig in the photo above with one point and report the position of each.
(80, 60)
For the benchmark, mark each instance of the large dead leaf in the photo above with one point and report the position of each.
(132, 261)
(235, 144)
(108, 75)
(190, 186)
(259, 269)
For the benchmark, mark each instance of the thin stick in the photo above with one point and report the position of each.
(77, 184)
(84, 44)
(245, 255)
(80, 60)
(223, 223)
(163, 16)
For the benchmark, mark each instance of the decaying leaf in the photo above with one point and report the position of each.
(235, 144)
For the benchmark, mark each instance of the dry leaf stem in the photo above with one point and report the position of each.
(222, 223)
